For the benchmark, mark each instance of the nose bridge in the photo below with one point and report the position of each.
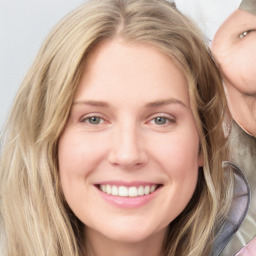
(127, 148)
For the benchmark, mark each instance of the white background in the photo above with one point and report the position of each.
(24, 24)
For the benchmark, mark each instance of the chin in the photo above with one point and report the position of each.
(133, 234)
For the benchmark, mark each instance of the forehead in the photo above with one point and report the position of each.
(128, 68)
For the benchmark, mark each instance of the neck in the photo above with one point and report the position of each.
(99, 245)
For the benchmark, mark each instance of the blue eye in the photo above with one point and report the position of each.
(160, 120)
(93, 120)
(163, 120)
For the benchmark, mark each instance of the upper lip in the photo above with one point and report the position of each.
(127, 184)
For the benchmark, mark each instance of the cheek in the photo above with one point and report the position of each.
(239, 66)
(181, 166)
(179, 158)
(78, 157)
(180, 150)
(70, 165)
(71, 156)
(248, 67)
(78, 153)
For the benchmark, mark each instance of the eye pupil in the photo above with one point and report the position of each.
(94, 120)
(160, 120)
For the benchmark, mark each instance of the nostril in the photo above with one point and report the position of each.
(125, 160)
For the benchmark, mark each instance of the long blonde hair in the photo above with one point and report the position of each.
(35, 217)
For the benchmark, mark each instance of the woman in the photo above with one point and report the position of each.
(115, 143)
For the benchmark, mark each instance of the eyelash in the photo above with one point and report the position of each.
(87, 119)
(166, 118)
(245, 33)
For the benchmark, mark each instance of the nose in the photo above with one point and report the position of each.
(127, 148)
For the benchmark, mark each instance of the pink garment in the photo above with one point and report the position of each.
(249, 249)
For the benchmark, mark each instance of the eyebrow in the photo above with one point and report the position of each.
(160, 103)
(153, 104)
(101, 104)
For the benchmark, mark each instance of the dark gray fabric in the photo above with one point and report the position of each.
(238, 211)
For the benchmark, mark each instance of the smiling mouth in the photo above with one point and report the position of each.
(124, 191)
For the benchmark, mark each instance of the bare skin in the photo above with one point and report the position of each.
(234, 49)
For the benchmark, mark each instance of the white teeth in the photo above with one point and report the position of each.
(108, 189)
(114, 191)
(123, 191)
(141, 191)
(147, 190)
(103, 188)
(128, 191)
(152, 188)
(132, 191)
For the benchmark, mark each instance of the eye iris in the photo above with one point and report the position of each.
(160, 120)
(94, 120)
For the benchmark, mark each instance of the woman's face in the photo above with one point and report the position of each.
(129, 154)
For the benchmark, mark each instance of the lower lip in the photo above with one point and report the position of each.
(128, 202)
